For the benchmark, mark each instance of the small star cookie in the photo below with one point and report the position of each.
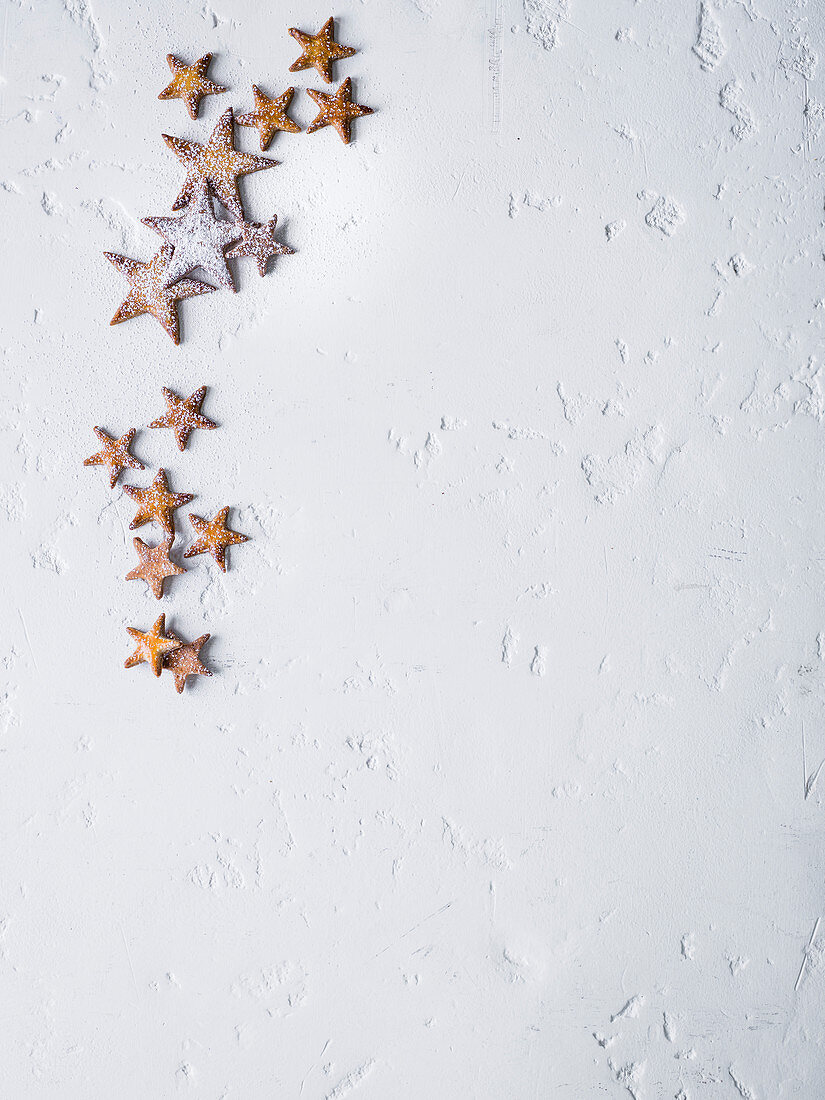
(218, 163)
(337, 110)
(320, 50)
(154, 565)
(270, 115)
(115, 455)
(185, 660)
(156, 503)
(189, 82)
(198, 239)
(214, 537)
(258, 240)
(148, 292)
(151, 646)
(183, 416)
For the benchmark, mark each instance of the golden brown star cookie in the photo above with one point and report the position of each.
(148, 292)
(337, 110)
(258, 240)
(156, 503)
(189, 82)
(152, 645)
(320, 50)
(270, 115)
(154, 565)
(214, 537)
(185, 660)
(183, 417)
(218, 163)
(115, 455)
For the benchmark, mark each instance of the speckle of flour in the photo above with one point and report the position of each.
(613, 229)
(538, 666)
(731, 98)
(709, 46)
(543, 19)
(509, 647)
(666, 215)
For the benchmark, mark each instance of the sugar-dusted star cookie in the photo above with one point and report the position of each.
(152, 645)
(270, 115)
(337, 110)
(156, 504)
(258, 240)
(189, 82)
(214, 537)
(115, 454)
(218, 164)
(198, 239)
(148, 292)
(185, 660)
(154, 565)
(320, 50)
(183, 416)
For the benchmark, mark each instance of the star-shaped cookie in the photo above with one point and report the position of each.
(337, 110)
(183, 416)
(185, 660)
(218, 164)
(156, 503)
(320, 50)
(198, 239)
(115, 454)
(213, 537)
(152, 645)
(258, 240)
(154, 565)
(270, 115)
(189, 82)
(148, 292)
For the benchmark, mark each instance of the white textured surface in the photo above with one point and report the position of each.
(501, 788)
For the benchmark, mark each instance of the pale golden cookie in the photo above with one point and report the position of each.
(154, 565)
(115, 454)
(214, 537)
(189, 82)
(337, 110)
(320, 50)
(151, 646)
(156, 504)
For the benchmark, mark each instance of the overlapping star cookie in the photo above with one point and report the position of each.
(198, 239)
(152, 646)
(214, 537)
(185, 660)
(115, 454)
(154, 565)
(218, 164)
(337, 110)
(258, 240)
(183, 416)
(270, 115)
(156, 504)
(148, 292)
(320, 50)
(189, 82)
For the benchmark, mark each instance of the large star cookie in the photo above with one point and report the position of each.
(154, 565)
(198, 239)
(115, 454)
(214, 537)
(156, 503)
(320, 50)
(148, 292)
(152, 645)
(183, 416)
(218, 164)
(258, 240)
(270, 115)
(185, 660)
(337, 110)
(189, 82)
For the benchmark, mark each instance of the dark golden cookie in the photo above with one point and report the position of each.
(185, 660)
(337, 110)
(156, 503)
(151, 646)
(189, 82)
(214, 537)
(320, 50)
(154, 565)
(183, 416)
(115, 455)
(148, 292)
(258, 240)
(270, 115)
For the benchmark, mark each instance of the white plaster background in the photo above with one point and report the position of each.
(499, 790)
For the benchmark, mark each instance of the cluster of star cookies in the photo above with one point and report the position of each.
(198, 238)
(160, 648)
